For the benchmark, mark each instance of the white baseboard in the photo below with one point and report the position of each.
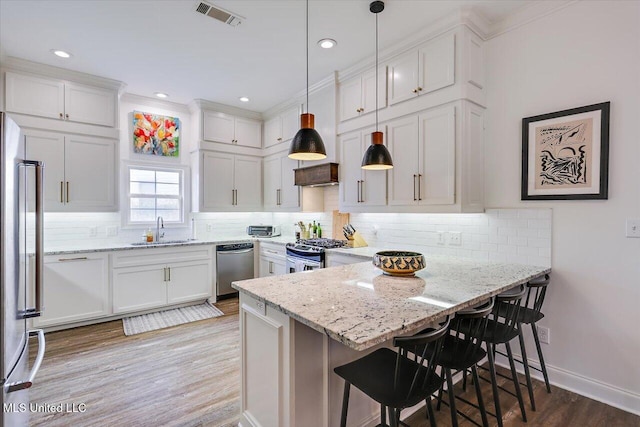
(593, 389)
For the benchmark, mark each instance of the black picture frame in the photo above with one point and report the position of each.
(584, 172)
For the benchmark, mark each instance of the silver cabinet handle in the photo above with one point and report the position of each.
(73, 259)
(362, 191)
(169, 271)
(21, 385)
(61, 116)
(164, 274)
(419, 186)
(233, 197)
(414, 186)
(66, 116)
(67, 191)
(271, 252)
(270, 267)
(61, 192)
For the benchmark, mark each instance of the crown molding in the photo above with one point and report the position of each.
(202, 104)
(529, 13)
(299, 98)
(155, 103)
(23, 65)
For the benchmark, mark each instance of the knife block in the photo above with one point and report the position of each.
(358, 241)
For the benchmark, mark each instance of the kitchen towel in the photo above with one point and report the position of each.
(165, 319)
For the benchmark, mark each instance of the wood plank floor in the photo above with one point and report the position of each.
(189, 375)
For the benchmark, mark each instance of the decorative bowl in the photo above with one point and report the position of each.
(399, 263)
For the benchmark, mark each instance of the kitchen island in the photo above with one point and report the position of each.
(296, 328)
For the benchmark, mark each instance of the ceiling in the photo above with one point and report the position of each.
(165, 46)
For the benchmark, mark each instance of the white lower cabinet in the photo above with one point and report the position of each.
(153, 278)
(76, 289)
(272, 260)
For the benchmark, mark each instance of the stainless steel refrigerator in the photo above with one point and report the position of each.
(21, 225)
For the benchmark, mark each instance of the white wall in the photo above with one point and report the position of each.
(586, 53)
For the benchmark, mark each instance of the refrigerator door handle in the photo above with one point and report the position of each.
(39, 255)
(21, 385)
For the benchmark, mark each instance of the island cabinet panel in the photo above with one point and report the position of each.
(266, 377)
(76, 289)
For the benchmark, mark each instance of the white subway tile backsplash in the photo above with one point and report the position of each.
(503, 235)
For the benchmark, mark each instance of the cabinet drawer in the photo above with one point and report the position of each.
(152, 256)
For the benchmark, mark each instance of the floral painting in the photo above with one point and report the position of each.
(155, 134)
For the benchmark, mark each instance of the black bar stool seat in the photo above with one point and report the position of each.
(374, 376)
(397, 380)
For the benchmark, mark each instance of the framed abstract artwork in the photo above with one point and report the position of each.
(565, 155)
(156, 135)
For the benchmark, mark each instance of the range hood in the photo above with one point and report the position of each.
(318, 175)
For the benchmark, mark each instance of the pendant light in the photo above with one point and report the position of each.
(307, 144)
(377, 157)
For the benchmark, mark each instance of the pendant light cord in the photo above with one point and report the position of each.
(376, 72)
(308, 57)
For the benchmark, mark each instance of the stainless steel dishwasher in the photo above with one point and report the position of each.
(234, 261)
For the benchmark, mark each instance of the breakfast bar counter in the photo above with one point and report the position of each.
(296, 328)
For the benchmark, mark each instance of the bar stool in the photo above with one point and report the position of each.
(501, 329)
(462, 350)
(395, 380)
(530, 313)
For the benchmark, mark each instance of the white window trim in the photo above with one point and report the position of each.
(125, 194)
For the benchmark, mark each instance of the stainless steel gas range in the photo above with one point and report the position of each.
(309, 254)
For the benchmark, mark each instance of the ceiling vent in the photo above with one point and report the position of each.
(219, 14)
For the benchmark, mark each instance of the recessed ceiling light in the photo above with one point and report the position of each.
(327, 43)
(61, 53)
(244, 99)
(161, 95)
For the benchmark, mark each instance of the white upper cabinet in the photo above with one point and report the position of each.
(230, 182)
(423, 152)
(280, 191)
(359, 187)
(415, 73)
(80, 171)
(282, 127)
(73, 102)
(357, 95)
(228, 129)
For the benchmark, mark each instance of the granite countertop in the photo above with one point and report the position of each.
(360, 307)
(98, 246)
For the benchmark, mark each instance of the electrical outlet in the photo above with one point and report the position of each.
(112, 231)
(442, 237)
(633, 227)
(455, 238)
(209, 228)
(544, 334)
(93, 231)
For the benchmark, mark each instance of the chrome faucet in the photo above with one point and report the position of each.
(159, 225)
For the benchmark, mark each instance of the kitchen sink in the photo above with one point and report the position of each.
(161, 243)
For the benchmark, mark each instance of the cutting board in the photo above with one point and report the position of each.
(339, 221)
